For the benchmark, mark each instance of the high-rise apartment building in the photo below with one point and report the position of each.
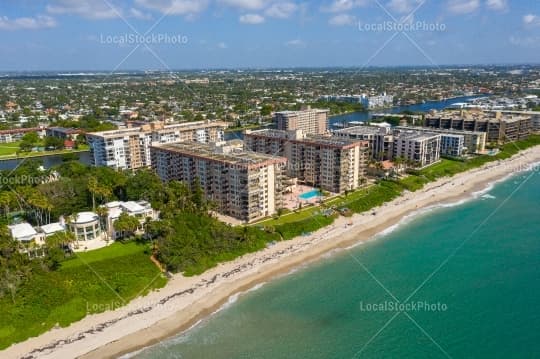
(499, 129)
(128, 148)
(331, 163)
(244, 185)
(312, 121)
(380, 139)
(424, 149)
(473, 142)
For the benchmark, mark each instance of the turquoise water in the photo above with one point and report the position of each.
(309, 195)
(485, 293)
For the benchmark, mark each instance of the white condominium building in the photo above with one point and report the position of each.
(312, 121)
(473, 142)
(380, 139)
(128, 149)
(244, 185)
(452, 145)
(423, 149)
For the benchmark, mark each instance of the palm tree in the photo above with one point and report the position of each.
(6, 199)
(93, 188)
(68, 220)
(103, 212)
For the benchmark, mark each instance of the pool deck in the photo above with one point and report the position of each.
(292, 201)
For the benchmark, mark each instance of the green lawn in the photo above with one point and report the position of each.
(14, 153)
(92, 282)
(7, 149)
(115, 250)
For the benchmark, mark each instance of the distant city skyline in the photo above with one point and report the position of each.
(106, 35)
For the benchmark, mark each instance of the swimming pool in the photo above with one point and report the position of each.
(309, 195)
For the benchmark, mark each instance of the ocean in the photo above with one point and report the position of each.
(460, 281)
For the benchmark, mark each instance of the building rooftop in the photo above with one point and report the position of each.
(157, 127)
(299, 137)
(235, 157)
(132, 206)
(21, 130)
(360, 130)
(319, 110)
(510, 119)
(84, 217)
(438, 130)
(22, 230)
(67, 131)
(52, 228)
(114, 212)
(417, 135)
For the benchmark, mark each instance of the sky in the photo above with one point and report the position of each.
(120, 35)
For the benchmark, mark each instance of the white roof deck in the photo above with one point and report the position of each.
(133, 207)
(22, 231)
(51, 228)
(114, 212)
(85, 217)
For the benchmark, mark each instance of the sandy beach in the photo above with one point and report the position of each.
(185, 301)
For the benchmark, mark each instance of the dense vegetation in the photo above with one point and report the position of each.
(337, 108)
(88, 123)
(194, 242)
(40, 298)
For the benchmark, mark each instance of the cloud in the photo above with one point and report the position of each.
(138, 14)
(251, 19)
(175, 7)
(463, 6)
(531, 20)
(27, 23)
(281, 10)
(403, 6)
(344, 5)
(222, 45)
(90, 9)
(296, 43)
(342, 20)
(498, 5)
(244, 4)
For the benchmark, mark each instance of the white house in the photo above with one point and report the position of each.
(27, 236)
(24, 232)
(140, 209)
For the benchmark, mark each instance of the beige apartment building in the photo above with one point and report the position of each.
(311, 121)
(329, 162)
(534, 115)
(245, 185)
(128, 149)
(499, 127)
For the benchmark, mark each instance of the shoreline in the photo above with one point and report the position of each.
(185, 301)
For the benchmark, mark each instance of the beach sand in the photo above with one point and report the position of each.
(185, 301)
